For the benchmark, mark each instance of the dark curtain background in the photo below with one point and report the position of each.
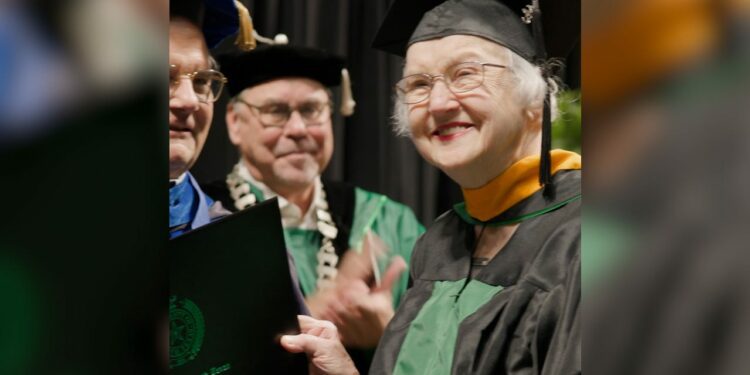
(366, 152)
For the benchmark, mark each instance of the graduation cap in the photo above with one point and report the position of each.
(218, 19)
(515, 24)
(279, 60)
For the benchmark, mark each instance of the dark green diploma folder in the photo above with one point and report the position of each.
(231, 297)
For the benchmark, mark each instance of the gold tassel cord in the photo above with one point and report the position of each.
(347, 99)
(245, 39)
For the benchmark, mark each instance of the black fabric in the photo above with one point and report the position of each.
(247, 69)
(192, 10)
(531, 326)
(410, 21)
(341, 202)
(488, 19)
(545, 161)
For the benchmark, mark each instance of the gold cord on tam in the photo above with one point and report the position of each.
(245, 39)
(347, 98)
(515, 184)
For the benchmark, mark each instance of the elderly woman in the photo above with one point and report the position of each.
(496, 280)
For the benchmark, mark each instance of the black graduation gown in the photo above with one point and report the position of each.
(531, 326)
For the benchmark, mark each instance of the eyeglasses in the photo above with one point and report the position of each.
(459, 78)
(207, 84)
(276, 115)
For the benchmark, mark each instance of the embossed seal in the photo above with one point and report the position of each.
(186, 331)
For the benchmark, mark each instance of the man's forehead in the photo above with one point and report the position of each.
(288, 88)
(187, 47)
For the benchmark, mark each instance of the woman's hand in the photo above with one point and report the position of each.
(320, 341)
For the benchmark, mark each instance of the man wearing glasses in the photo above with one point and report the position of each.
(194, 85)
(280, 120)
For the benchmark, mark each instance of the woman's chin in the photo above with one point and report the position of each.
(452, 165)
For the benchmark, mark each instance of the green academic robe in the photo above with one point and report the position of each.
(517, 315)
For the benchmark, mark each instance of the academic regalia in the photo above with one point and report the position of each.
(518, 315)
(190, 207)
(352, 209)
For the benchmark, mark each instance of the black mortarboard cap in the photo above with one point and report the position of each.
(267, 62)
(516, 24)
(410, 21)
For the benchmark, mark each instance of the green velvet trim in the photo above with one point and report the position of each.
(303, 244)
(460, 209)
(431, 340)
(358, 232)
(394, 223)
(254, 190)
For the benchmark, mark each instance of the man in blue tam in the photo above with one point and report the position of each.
(194, 85)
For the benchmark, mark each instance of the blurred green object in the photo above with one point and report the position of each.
(566, 130)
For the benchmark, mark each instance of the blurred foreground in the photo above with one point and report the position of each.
(665, 239)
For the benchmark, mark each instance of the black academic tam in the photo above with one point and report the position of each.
(247, 69)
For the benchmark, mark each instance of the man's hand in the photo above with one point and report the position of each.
(320, 341)
(362, 313)
(359, 305)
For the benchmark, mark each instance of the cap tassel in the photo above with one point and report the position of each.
(279, 39)
(347, 99)
(245, 39)
(533, 15)
(545, 165)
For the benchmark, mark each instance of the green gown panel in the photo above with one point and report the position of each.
(394, 223)
(429, 349)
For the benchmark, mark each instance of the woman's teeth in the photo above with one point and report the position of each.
(451, 130)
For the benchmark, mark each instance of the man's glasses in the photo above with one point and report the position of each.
(207, 84)
(276, 115)
(459, 78)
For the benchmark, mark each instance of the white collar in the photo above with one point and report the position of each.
(178, 180)
(291, 214)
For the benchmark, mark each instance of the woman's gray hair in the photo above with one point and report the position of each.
(529, 84)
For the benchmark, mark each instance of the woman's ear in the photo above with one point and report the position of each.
(533, 118)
